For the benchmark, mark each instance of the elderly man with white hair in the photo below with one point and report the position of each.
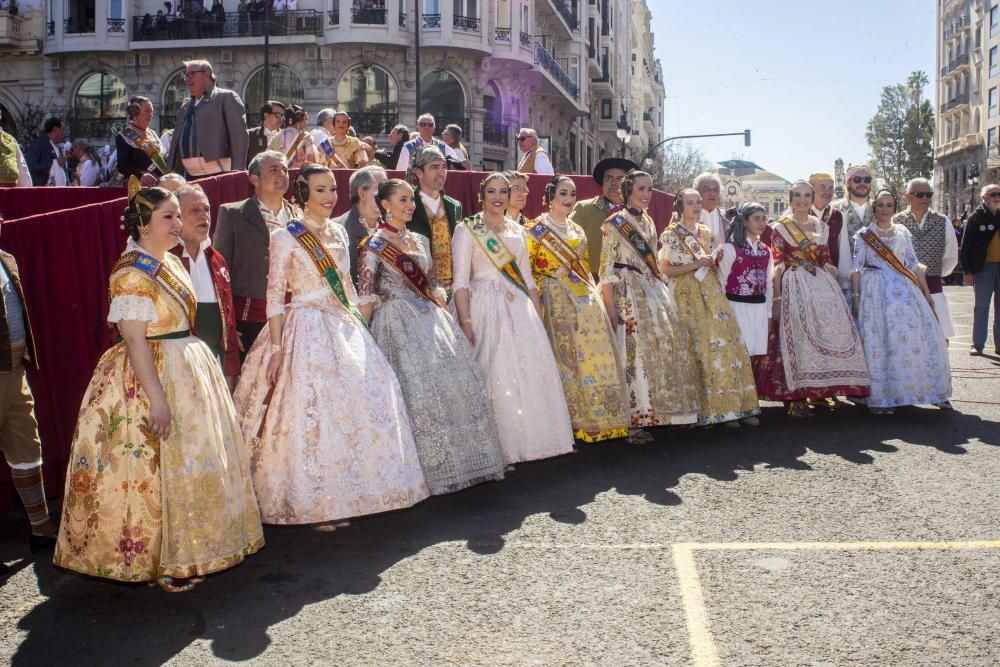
(324, 125)
(363, 218)
(934, 242)
(535, 160)
(425, 137)
(709, 186)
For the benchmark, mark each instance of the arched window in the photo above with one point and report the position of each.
(174, 94)
(442, 96)
(99, 107)
(494, 131)
(369, 95)
(285, 87)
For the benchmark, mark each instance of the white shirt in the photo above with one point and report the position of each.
(860, 209)
(201, 274)
(88, 173)
(713, 221)
(23, 175)
(57, 174)
(432, 205)
(845, 261)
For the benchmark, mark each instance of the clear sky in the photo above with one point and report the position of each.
(805, 77)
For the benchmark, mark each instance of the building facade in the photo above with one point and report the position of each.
(491, 66)
(744, 181)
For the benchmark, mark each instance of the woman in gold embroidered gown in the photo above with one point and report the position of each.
(726, 389)
(348, 152)
(158, 486)
(297, 151)
(453, 424)
(660, 375)
(319, 404)
(497, 309)
(575, 319)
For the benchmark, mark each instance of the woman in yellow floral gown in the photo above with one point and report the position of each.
(659, 373)
(575, 319)
(158, 486)
(726, 387)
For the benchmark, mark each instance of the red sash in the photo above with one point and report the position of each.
(400, 261)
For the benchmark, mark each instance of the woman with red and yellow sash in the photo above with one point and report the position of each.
(575, 319)
(906, 352)
(813, 348)
(726, 390)
(496, 303)
(294, 141)
(452, 417)
(659, 373)
(319, 404)
(158, 486)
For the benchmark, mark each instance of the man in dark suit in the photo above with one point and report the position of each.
(45, 150)
(436, 214)
(211, 135)
(242, 234)
(361, 221)
(270, 124)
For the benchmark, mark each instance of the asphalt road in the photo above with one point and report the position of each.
(847, 539)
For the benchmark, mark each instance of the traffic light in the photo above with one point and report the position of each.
(746, 137)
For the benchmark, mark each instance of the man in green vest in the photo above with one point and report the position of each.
(13, 167)
(591, 213)
(436, 213)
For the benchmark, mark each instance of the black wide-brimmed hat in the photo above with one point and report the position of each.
(612, 163)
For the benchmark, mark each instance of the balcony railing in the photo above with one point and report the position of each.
(373, 123)
(957, 100)
(333, 15)
(116, 25)
(501, 34)
(496, 135)
(432, 21)
(466, 23)
(525, 39)
(96, 128)
(567, 14)
(370, 16)
(236, 24)
(955, 63)
(549, 64)
(77, 26)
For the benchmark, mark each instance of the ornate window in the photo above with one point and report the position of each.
(442, 96)
(285, 86)
(99, 106)
(370, 95)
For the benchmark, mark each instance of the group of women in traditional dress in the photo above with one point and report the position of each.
(355, 401)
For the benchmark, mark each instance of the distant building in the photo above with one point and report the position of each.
(744, 181)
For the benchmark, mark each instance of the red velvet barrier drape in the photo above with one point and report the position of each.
(21, 202)
(65, 258)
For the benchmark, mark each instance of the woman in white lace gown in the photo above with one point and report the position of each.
(319, 404)
(496, 301)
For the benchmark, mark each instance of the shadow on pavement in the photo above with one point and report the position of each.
(85, 622)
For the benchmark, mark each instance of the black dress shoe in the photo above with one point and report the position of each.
(976, 351)
(39, 542)
(4, 570)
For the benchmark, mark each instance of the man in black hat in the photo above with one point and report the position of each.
(591, 213)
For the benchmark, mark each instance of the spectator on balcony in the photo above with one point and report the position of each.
(211, 136)
(341, 150)
(271, 116)
(243, 21)
(87, 172)
(294, 141)
(219, 17)
(425, 137)
(398, 136)
(452, 137)
(146, 26)
(14, 170)
(140, 152)
(160, 26)
(535, 160)
(45, 157)
(242, 234)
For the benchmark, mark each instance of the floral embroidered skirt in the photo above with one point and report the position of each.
(137, 508)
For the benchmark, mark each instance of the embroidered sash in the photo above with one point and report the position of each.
(295, 145)
(636, 240)
(559, 249)
(325, 265)
(400, 261)
(690, 241)
(150, 145)
(159, 272)
(879, 247)
(498, 253)
(808, 248)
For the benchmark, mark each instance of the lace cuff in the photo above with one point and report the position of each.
(130, 307)
(275, 310)
(369, 299)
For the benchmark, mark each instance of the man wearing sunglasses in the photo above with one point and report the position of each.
(425, 137)
(981, 263)
(535, 160)
(934, 242)
(270, 124)
(857, 213)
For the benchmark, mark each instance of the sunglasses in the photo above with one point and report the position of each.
(425, 124)
(993, 195)
(522, 138)
(922, 195)
(861, 179)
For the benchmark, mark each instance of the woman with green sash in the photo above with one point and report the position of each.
(496, 304)
(158, 486)
(452, 417)
(319, 404)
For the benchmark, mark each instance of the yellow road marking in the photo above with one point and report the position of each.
(703, 650)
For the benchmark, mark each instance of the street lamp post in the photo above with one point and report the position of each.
(745, 134)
